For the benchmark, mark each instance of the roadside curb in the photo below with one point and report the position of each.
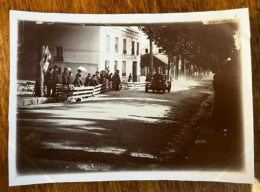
(24, 101)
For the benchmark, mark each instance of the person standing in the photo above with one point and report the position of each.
(102, 77)
(88, 80)
(110, 77)
(49, 81)
(93, 81)
(69, 79)
(55, 80)
(65, 75)
(130, 78)
(116, 81)
(78, 82)
(97, 77)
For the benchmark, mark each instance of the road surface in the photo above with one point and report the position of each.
(118, 130)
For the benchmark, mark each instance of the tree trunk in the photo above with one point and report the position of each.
(151, 57)
(169, 67)
(39, 83)
(183, 67)
(177, 67)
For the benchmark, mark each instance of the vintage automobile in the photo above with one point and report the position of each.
(158, 83)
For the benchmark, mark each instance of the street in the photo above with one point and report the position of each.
(117, 130)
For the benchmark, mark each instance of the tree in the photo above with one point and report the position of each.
(205, 46)
(41, 69)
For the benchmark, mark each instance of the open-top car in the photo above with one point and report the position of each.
(158, 83)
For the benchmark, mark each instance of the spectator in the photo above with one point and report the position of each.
(49, 82)
(130, 77)
(110, 77)
(116, 81)
(88, 80)
(97, 77)
(55, 80)
(65, 75)
(69, 81)
(78, 82)
(106, 74)
(102, 78)
(93, 81)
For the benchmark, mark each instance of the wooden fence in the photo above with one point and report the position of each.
(133, 85)
(72, 94)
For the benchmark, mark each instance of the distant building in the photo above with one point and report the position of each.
(160, 60)
(73, 45)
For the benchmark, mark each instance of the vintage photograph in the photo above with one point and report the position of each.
(145, 96)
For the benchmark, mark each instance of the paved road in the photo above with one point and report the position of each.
(119, 130)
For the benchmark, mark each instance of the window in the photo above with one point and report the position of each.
(59, 53)
(133, 47)
(159, 50)
(107, 64)
(124, 46)
(108, 43)
(124, 68)
(115, 65)
(146, 50)
(137, 49)
(116, 44)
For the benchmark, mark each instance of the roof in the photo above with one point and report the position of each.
(159, 60)
(162, 57)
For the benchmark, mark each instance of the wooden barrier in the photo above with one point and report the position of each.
(106, 87)
(133, 85)
(73, 94)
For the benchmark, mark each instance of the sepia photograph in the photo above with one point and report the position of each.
(130, 97)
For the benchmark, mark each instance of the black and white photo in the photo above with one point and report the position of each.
(130, 97)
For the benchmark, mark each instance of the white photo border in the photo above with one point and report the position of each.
(242, 15)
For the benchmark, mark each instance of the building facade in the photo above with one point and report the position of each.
(160, 60)
(73, 45)
(119, 50)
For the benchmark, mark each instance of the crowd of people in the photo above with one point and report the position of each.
(51, 79)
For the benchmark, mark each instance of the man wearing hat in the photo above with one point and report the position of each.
(116, 81)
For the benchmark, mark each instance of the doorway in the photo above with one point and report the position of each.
(134, 71)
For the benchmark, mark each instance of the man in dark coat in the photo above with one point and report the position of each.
(116, 81)
(93, 81)
(97, 77)
(55, 80)
(65, 75)
(88, 80)
(49, 82)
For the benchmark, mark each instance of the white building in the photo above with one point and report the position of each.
(72, 45)
(119, 49)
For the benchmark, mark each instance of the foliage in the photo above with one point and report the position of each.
(204, 45)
